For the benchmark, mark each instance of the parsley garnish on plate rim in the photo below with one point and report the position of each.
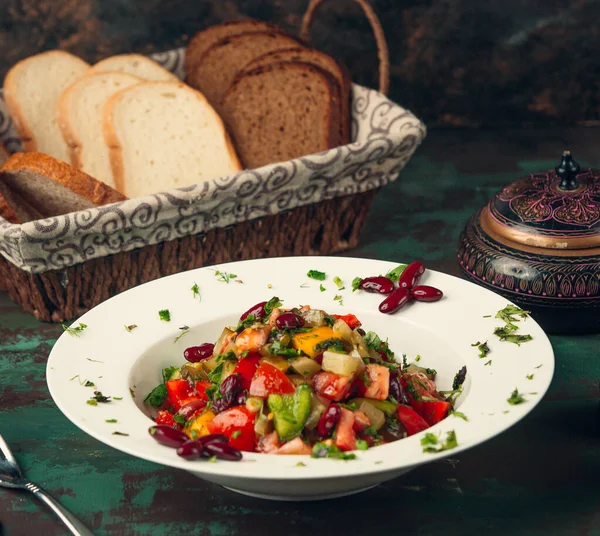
(515, 398)
(164, 315)
(316, 274)
(224, 277)
(74, 331)
(430, 442)
(195, 290)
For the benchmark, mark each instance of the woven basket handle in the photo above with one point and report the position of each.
(382, 47)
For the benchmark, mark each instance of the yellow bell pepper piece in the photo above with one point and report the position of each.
(307, 341)
(199, 425)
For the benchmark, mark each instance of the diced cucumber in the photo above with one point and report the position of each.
(290, 412)
(389, 408)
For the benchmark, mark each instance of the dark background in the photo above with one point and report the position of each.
(457, 63)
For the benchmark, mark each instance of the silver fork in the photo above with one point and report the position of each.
(11, 476)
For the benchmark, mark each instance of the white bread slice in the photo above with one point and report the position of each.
(137, 65)
(164, 135)
(80, 119)
(31, 90)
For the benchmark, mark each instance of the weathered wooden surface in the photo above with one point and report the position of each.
(539, 478)
(460, 62)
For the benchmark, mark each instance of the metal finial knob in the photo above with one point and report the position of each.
(568, 170)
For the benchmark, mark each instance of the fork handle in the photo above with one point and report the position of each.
(72, 523)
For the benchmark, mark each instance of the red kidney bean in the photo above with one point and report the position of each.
(165, 435)
(223, 451)
(379, 284)
(199, 353)
(329, 420)
(398, 392)
(397, 299)
(411, 275)
(241, 398)
(229, 389)
(213, 438)
(190, 408)
(191, 450)
(257, 310)
(425, 293)
(289, 320)
(319, 359)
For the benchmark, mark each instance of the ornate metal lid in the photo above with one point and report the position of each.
(558, 209)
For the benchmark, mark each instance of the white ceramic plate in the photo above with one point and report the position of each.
(442, 333)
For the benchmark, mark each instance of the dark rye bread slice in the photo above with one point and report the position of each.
(217, 68)
(204, 39)
(282, 111)
(325, 62)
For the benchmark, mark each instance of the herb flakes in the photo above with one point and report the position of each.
(130, 328)
(121, 434)
(529, 376)
(74, 331)
(111, 421)
(322, 288)
(184, 331)
(339, 283)
(315, 274)
(483, 348)
(195, 290)
(356, 283)
(164, 315)
(321, 450)
(395, 274)
(430, 442)
(224, 277)
(515, 398)
(459, 414)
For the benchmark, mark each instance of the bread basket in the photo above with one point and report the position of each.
(60, 267)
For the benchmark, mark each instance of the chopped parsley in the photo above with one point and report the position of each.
(224, 277)
(300, 464)
(215, 375)
(356, 283)
(506, 334)
(529, 376)
(184, 331)
(130, 327)
(74, 331)
(333, 344)
(117, 398)
(459, 414)
(487, 363)
(322, 288)
(395, 274)
(483, 348)
(94, 360)
(246, 323)
(338, 299)
(361, 444)
(321, 450)
(180, 419)
(120, 433)
(111, 421)
(338, 283)
(91, 402)
(88, 383)
(157, 396)
(418, 358)
(508, 315)
(99, 398)
(329, 320)
(539, 366)
(515, 398)
(236, 434)
(303, 285)
(164, 315)
(279, 349)
(273, 303)
(227, 356)
(315, 274)
(195, 290)
(431, 443)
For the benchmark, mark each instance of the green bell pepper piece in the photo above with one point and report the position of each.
(290, 412)
(389, 408)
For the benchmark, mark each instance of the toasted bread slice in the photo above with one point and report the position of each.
(216, 70)
(80, 119)
(37, 186)
(282, 111)
(137, 65)
(325, 62)
(164, 135)
(5, 211)
(203, 40)
(31, 90)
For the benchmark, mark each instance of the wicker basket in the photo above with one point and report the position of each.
(60, 267)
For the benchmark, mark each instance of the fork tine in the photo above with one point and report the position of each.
(8, 455)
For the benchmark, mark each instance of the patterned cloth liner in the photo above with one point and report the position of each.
(385, 137)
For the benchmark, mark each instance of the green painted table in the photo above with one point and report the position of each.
(541, 477)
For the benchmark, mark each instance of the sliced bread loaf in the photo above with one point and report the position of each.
(325, 62)
(203, 40)
(164, 135)
(31, 90)
(80, 119)
(137, 65)
(217, 68)
(282, 111)
(36, 185)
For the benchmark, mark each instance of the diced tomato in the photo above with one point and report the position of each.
(411, 420)
(378, 382)
(419, 387)
(361, 421)
(269, 443)
(270, 380)
(295, 446)
(345, 438)
(166, 418)
(330, 385)
(351, 320)
(230, 422)
(252, 338)
(434, 412)
(179, 393)
(201, 388)
(246, 367)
